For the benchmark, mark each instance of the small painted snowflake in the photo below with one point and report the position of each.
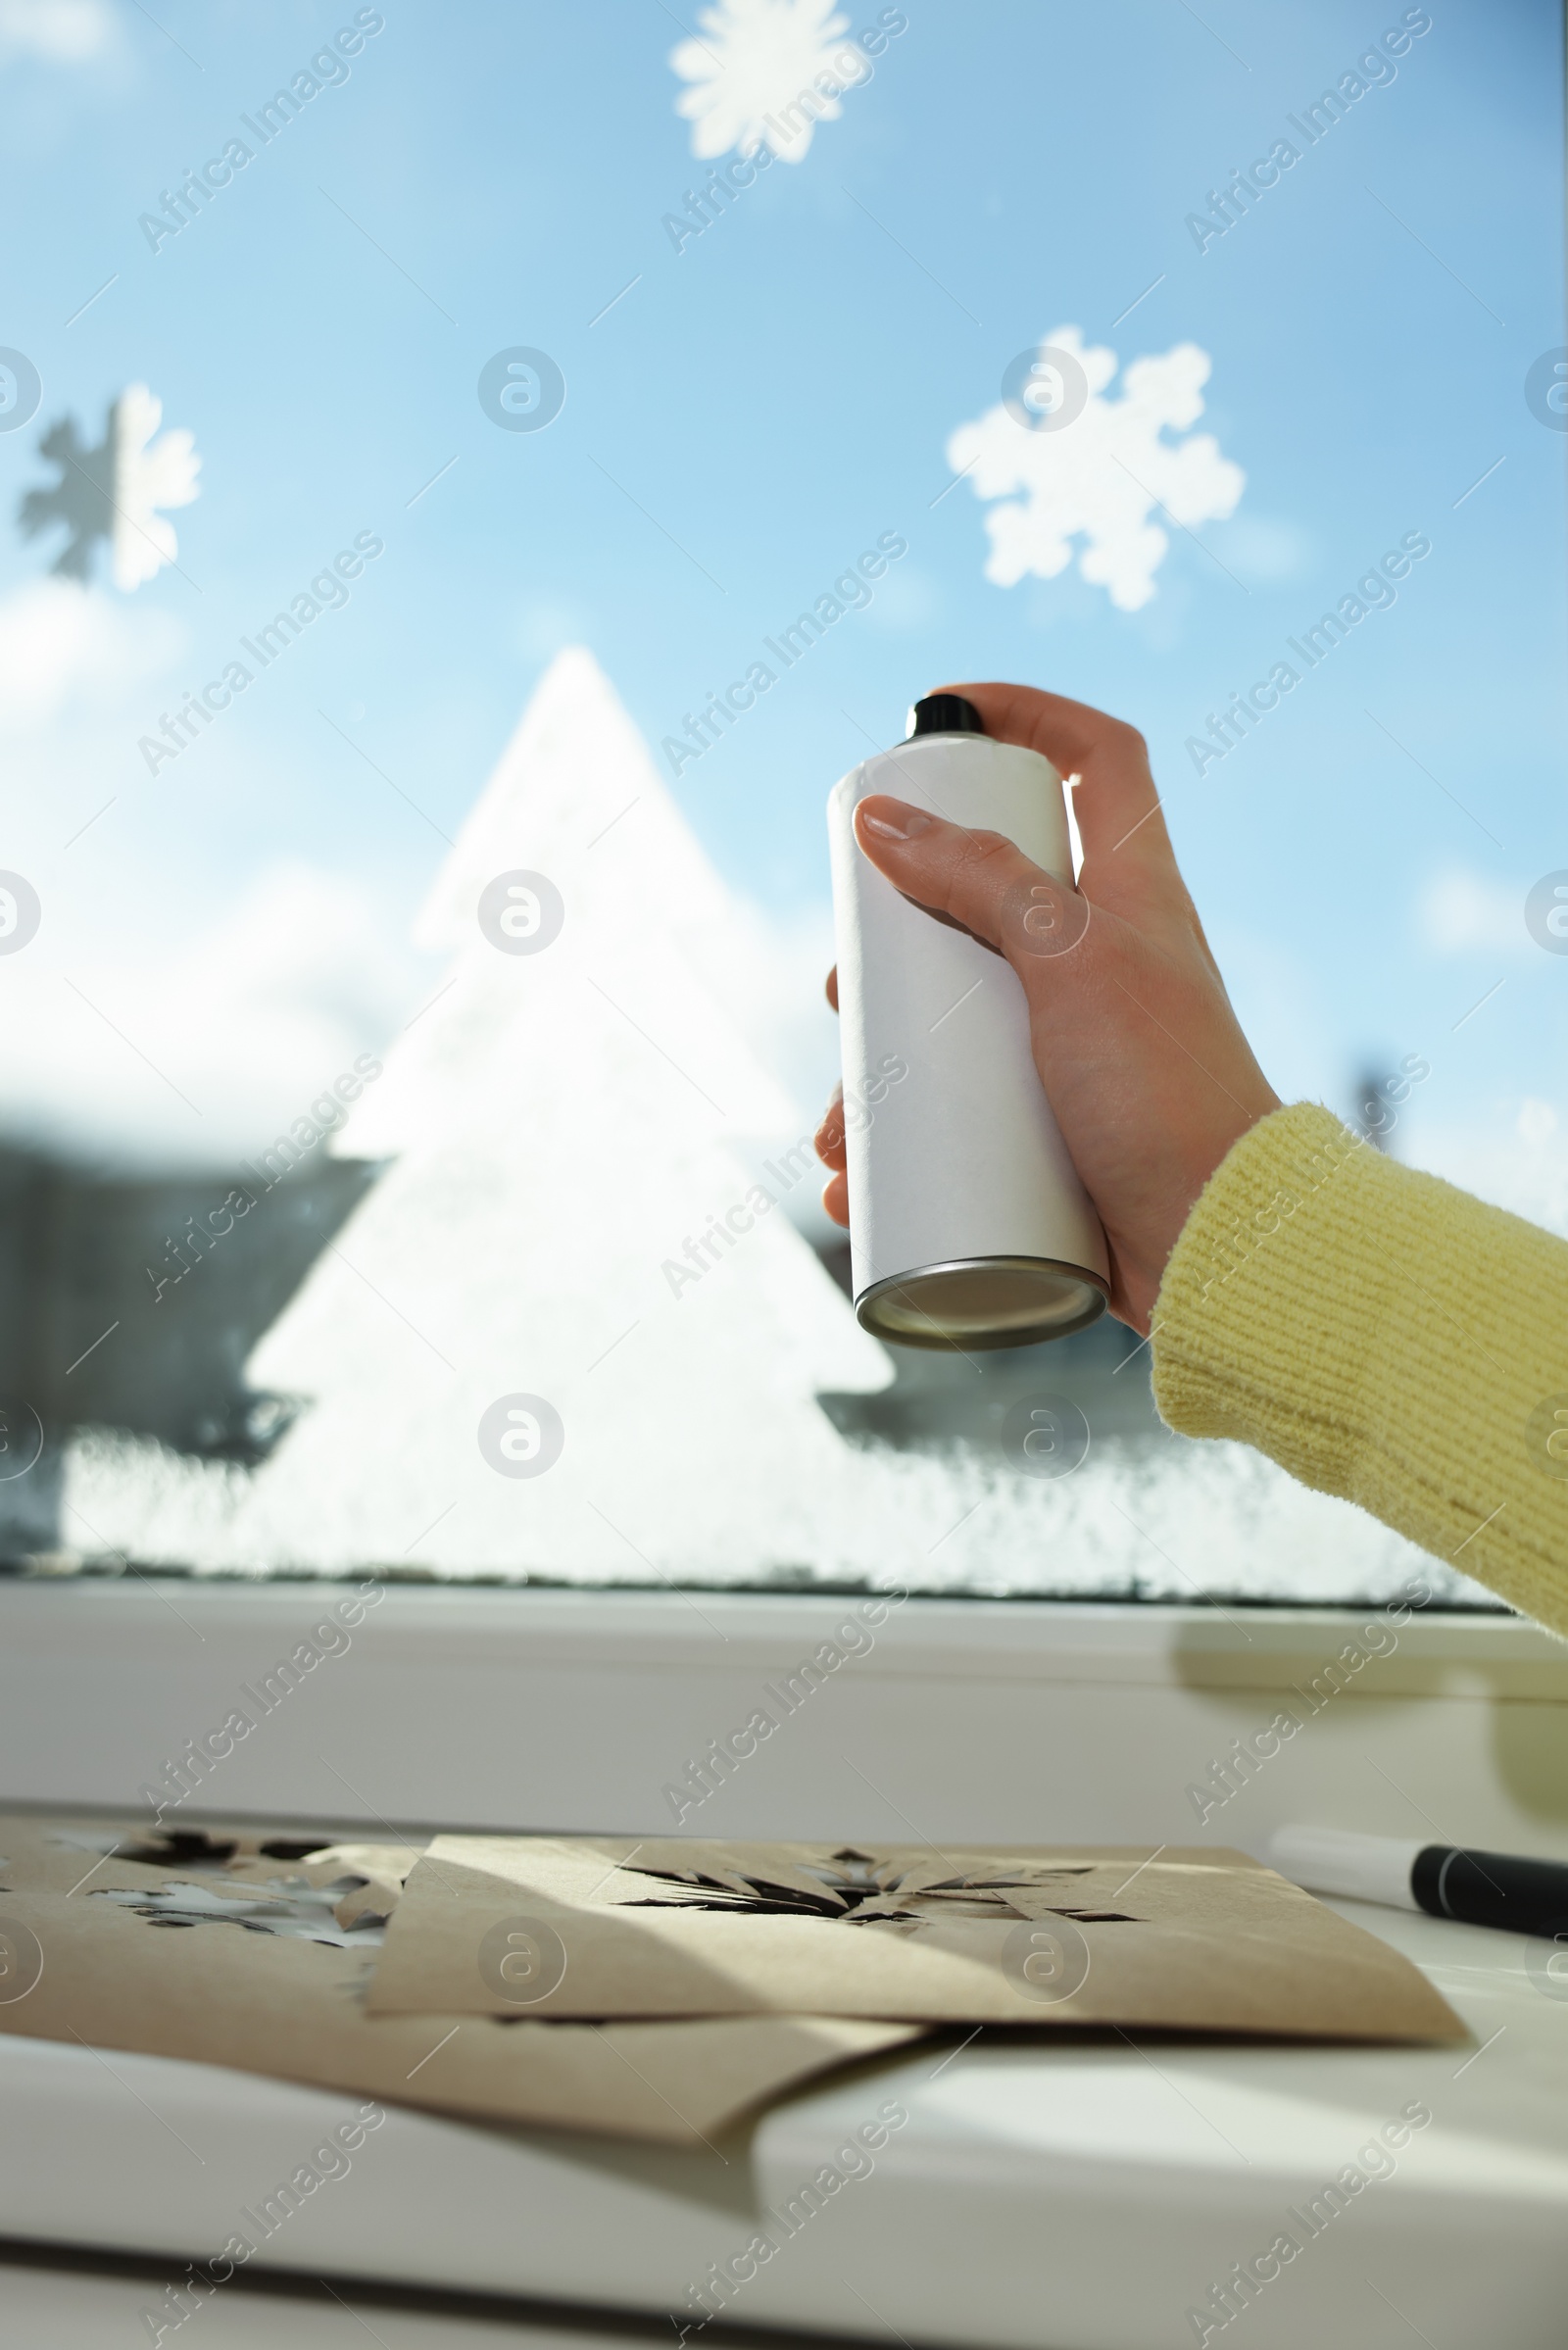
(112, 491)
(767, 74)
(148, 474)
(1101, 473)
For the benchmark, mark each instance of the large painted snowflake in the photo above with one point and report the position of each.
(1101, 476)
(766, 71)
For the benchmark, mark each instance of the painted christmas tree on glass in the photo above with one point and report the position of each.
(570, 1330)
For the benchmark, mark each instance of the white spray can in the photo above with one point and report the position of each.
(969, 1224)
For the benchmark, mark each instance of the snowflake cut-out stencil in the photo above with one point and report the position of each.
(764, 74)
(1102, 476)
(858, 1888)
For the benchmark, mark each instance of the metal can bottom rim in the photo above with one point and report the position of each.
(971, 1303)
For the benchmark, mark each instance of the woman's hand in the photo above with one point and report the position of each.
(1139, 1050)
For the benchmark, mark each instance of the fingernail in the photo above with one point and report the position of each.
(899, 822)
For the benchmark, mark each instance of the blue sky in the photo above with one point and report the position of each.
(750, 413)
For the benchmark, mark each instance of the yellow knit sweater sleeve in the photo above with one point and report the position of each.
(1383, 1337)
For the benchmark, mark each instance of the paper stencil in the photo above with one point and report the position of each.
(239, 1961)
(599, 1927)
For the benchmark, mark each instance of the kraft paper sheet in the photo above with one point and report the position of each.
(1189, 1939)
(265, 1996)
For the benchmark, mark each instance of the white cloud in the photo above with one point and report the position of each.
(1102, 476)
(1461, 911)
(61, 644)
(546, 624)
(1513, 1158)
(64, 31)
(907, 601)
(754, 74)
(1263, 549)
(204, 1056)
(1279, 999)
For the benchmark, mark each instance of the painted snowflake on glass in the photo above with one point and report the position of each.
(115, 491)
(765, 74)
(1072, 464)
(149, 474)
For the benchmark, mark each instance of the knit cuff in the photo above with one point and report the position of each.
(1383, 1337)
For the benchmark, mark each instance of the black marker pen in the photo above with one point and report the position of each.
(1481, 1889)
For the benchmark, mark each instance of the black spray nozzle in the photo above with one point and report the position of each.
(944, 714)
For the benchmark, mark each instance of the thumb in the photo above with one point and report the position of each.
(980, 881)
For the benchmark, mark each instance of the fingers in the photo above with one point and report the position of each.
(831, 1152)
(1117, 807)
(979, 880)
(830, 1149)
(833, 987)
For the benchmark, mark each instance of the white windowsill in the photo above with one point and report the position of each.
(978, 1719)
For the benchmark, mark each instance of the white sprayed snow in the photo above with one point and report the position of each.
(149, 474)
(755, 76)
(1174, 1522)
(1100, 478)
(560, 1125)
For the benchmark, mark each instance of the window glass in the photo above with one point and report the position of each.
(471, 483)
